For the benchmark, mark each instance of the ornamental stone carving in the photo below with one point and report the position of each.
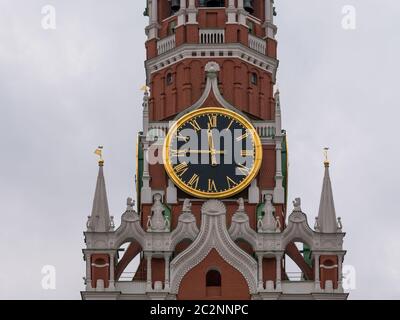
(158, 222)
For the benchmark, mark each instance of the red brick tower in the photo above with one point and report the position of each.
(210, 59)
(239, 36)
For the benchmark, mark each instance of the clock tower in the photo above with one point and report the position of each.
(211, 219)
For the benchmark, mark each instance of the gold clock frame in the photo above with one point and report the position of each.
(223, 194)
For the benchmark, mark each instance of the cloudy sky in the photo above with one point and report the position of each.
(65, 91)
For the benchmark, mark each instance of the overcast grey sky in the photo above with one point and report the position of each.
(65, 91)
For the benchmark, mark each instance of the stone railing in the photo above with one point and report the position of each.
(257, 44)
(166, 44)
(212, 36)
(157, 130)
(265, 129)
(132, 287)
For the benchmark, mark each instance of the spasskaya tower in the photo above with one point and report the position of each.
(211, 219)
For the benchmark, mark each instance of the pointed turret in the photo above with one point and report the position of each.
(327, 222)
(99, 220)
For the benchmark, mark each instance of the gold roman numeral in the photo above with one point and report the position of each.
(181, 168)
(194, 181)
(243, 136)
(243, 169)
(231, 183)
(212, 121)
(230, 125)
(211, 186)
(247, 153)
(195, 125)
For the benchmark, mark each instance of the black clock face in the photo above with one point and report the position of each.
(213, 153)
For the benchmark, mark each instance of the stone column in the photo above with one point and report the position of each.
(241, 13)
(166, 284)
(88, 272)
(279, 192)
(182, 13)
(146, 196)
(268, 10)
(340, 273)
(112, 271)
(148, 278)
(317, 281)
(231, 12)
(192, 12)
(278, 285)
(270, 28)
(260, 272)
(153, 10)
(152, 29)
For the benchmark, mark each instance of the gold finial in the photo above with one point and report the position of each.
(145, 88)
(326, 162)
(99, 152)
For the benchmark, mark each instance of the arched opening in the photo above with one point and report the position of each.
(254, 79)
(213, 278)
(329, 272)
(169, 79)
(129, 266)
(297, 262)
(213, 283)
(100, 270)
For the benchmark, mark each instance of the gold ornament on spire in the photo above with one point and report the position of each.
(99, 152)
(326, 161)
(145, 89)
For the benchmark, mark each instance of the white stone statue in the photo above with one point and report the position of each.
(130, 203)
(241, 205)
(316, 225)
(268, 223)
(187, 206)
(297, 204)
(339, 224)
(157, 222)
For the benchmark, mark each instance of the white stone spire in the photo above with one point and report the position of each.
(99, 220)
(327, 222)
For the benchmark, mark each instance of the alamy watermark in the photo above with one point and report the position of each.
(49, 277)
(349, 20)
(49, 17)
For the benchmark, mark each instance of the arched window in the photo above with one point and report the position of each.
(254, 79)
(213, 278)
(169, 79)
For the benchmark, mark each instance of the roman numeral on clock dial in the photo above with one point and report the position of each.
(211, 186)
(212, 121)
(231, 182)
(194, 181)
(181, 169)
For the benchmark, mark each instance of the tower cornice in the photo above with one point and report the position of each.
(205, 51)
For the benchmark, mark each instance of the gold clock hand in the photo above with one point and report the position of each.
(212, 148)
